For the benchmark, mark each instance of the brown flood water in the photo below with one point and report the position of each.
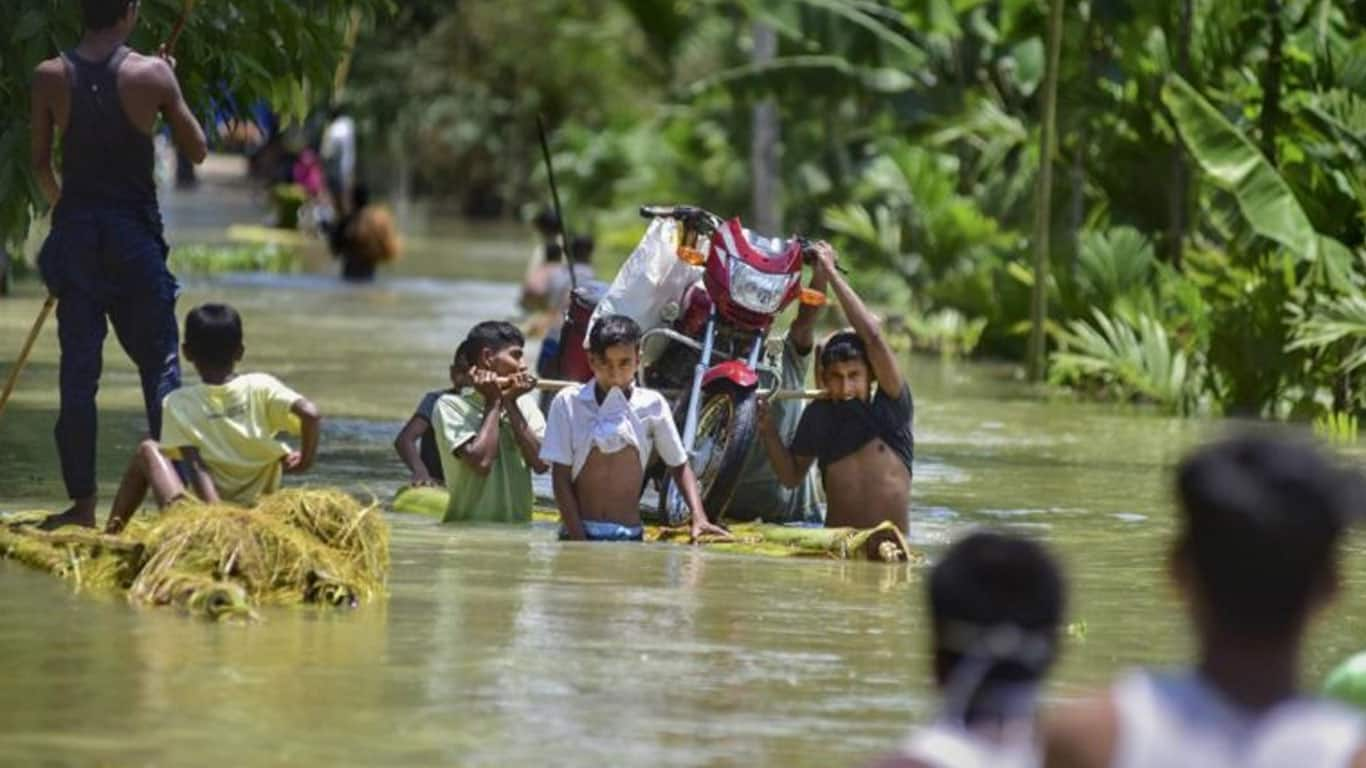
(504, 647)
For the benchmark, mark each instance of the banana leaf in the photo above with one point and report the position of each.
(1267, 202)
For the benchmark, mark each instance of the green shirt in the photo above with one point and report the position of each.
(504, 494)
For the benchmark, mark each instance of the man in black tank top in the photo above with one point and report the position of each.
(105, 259)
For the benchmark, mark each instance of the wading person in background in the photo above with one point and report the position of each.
(1255, 559)
(105, 257)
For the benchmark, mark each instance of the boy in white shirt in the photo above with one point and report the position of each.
(599, 438)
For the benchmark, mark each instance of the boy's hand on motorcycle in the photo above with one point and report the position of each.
(764, 411)
(827, 261)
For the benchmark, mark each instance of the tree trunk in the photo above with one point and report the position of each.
(1044, 196)
(1271, 80)
(1180, 165)
(763, 147)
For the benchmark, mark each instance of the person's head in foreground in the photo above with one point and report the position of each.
(614, 351)
(110, 15)
(1256, 554)
(213, 340)
(844, 368)
(496, 346)
(996, 605)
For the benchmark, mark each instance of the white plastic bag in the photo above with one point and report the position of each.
(651, 278)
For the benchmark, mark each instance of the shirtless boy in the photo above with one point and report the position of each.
(600, 435)
(861, 439)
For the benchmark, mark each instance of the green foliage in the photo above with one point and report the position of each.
(1128, 361)
(213, 260)
(284, 51)
(1337, 427)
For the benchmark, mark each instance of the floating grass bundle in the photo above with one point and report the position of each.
(374, 236)
(882, 543)
(299, 545)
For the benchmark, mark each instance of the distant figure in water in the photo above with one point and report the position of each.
(1255, 559)
(364, 238)
(558, 291)
(860, 438)
(996, 606)
(545, 261)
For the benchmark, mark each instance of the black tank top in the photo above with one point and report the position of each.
(106, 160)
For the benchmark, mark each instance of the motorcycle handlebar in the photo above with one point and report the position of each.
(689, 214)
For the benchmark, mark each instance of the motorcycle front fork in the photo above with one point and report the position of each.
(675, 500)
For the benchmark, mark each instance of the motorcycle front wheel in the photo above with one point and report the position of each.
(726, 427)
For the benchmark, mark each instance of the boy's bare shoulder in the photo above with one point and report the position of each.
(1081, 734)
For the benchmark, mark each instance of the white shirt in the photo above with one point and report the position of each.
(339, 142)
(577, 424)
(1184, 721)
(945, 745)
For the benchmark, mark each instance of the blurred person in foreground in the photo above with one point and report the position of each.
(1255, 559)
(996, 606)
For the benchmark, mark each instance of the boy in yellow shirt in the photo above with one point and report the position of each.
(223, 429)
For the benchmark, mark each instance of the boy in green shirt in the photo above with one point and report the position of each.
(489, 437)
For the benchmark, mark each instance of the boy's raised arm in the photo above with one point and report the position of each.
(868, 328)
(480, 452)
(528, 441)
(803, 331)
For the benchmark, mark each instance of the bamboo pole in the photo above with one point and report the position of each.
(555, 385)
(25, 351)
(1043, 200)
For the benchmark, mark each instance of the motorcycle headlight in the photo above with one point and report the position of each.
(757, 291)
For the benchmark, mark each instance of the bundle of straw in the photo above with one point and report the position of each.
(219, 561)
(374, 236)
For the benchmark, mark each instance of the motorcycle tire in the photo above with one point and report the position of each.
(730, 413)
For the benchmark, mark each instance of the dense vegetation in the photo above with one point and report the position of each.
(1207, 248)
(1208, 217)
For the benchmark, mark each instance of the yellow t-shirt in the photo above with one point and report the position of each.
(234, 428)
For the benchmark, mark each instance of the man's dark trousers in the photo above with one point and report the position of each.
(108, 262)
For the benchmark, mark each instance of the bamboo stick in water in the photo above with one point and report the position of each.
(555, 385)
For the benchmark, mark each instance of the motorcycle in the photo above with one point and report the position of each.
(705, 353)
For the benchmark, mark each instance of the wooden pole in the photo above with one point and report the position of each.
(22, 360)
(1043, 199)
(555, 385)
